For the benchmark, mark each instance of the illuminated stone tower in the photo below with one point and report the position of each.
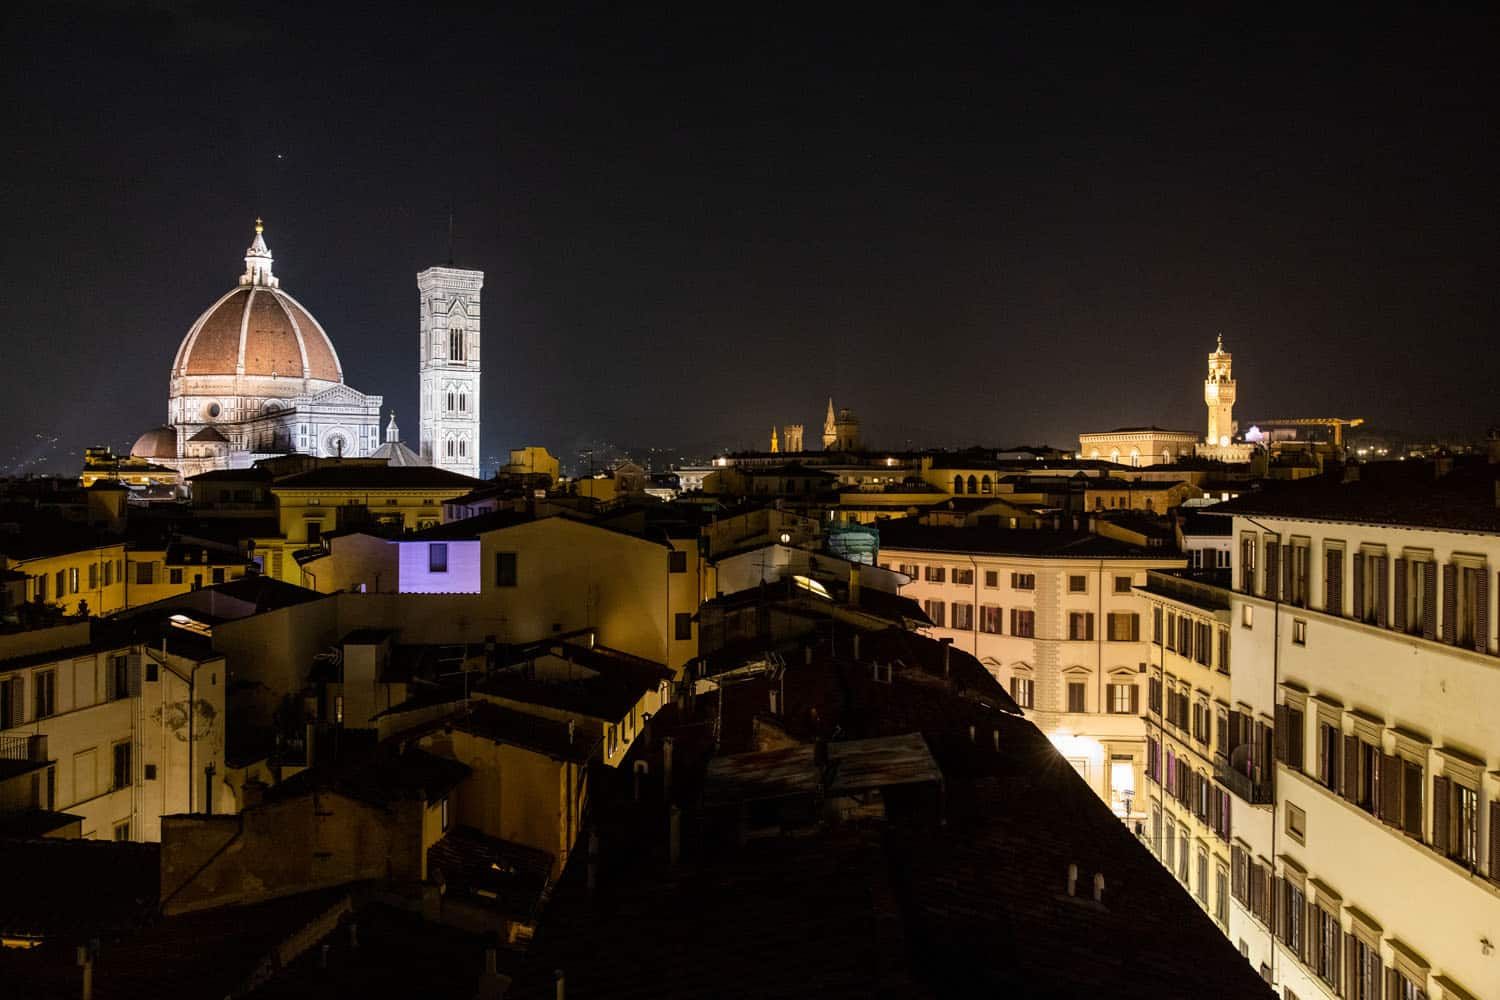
(775, 447)
(1218, 393)
(449, 367)
(791, 438)
(830, 427)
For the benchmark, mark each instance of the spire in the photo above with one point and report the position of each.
(258, 261)
(775, 445)
(392, 435)
(1220, 348)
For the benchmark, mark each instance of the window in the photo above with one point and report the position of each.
(218, 576)
(684, 620)
(963, 616)
(1455, 820)
(1329, 752)
(1122, 584)
(1223, 667)
(1124, 627)
(1022, 623)
(1023, 691)
(1470, 607)
(174, 576)
(1221, 733)
(73, 580)
(676, 562)
(93, 576)
(1414, 609)
(437, 557)
(143, 572)
(935, 574)
(456, 344)
(122, 772)
(1293, 915)
(1203, 876)
(1078, 584)
(109, 572)
(1156, 623)
(1023, 581)
(1296, 823)
(989, 619)
(1169, 842)
(1299, 632)
(1365, 968)
(11, 691)
(911, 569)
(1124, 699)
(1184, 860)
(1153, 694)
(117, 683)
(1325, 945)
(991, 578)
(443, 811)
(965, 577)
(1221, 896)
(122, 830)
(1081, 625)
(44, 693)
(1077, 696)
(1289, 736)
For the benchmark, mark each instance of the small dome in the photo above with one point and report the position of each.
(158, 442)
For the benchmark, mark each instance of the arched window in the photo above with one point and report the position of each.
(463, 402)
(958, 484)
(1114, 455)
(1148, 503)
(450, 402)
(1166, 456)
(463, 448)
(455, 344)
(985, 484)
(450, 447)
(973, 485)
(1135, 456)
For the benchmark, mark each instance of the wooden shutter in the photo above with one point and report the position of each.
(1450, 603)
(1283, 729)
(1135, 699)
(1350, 989)
(1088, 623)
(1333, 598)
(1286, 574)
(1429, 602)
(1440, 825)
(1349, 778)
(1272, 587)
(1388, 805)
(1495, 841)
(1359, 585)
(1399, 617)
(1382, 589)
(1482, 612)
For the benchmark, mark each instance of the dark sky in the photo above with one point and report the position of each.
(999, 230)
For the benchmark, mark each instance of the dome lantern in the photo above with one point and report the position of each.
(258, 261)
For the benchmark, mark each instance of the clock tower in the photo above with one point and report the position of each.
(1218, 394)
(449, 369)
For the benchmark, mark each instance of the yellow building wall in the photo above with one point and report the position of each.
(95, 576)
(518, 795)
(189, 576)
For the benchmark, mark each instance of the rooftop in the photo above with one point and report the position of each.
(1464, 500)
(911, 535)
(533, 732)
(377, 477)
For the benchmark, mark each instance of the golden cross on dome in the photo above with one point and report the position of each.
(260, 226)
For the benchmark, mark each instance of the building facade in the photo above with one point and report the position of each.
(1057, 618)
(450, 367)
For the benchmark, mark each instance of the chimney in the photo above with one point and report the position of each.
(1072, 880)
(1098, 887)
(666, 768)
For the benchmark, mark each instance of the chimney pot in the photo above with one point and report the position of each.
(1098, 887)
(1072, 880)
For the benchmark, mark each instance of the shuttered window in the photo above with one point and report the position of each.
(989, 619)
(1022, 623)
(1081, 625)
(1333, 582)
(1124, 627)
(1272, 589)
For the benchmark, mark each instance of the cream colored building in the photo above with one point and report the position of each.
(1058, 619)
(1364, 639)
(1138, 447)
(123, 728)
(1192, 730)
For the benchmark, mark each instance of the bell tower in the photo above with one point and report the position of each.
(448, 367)
(1218, 394)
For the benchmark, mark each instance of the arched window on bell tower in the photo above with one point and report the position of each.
(455, 344)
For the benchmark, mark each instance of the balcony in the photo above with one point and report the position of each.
(1244, 786)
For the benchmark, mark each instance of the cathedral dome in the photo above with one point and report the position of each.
(158, 442)
(258, 330)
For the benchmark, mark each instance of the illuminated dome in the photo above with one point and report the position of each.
(158, 442)
(257, 330)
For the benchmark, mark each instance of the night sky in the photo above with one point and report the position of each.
(970, 231)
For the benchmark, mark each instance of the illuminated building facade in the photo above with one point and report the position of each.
(450, 367)
(1057, 618)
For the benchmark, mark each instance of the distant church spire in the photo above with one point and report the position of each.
(258, 261)
(830, 427)
(775, 444)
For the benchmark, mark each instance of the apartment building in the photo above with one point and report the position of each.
(1363, 635)
(116, 729)
(1058, 618)
(1194, 737)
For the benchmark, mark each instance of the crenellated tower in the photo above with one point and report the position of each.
(1218, 394)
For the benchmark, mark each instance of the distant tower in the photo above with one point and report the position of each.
(392, 432)
(846, 431)
(830, 427)
(1218, 393)
(449, 367)
(775, 445)
(791, 437)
